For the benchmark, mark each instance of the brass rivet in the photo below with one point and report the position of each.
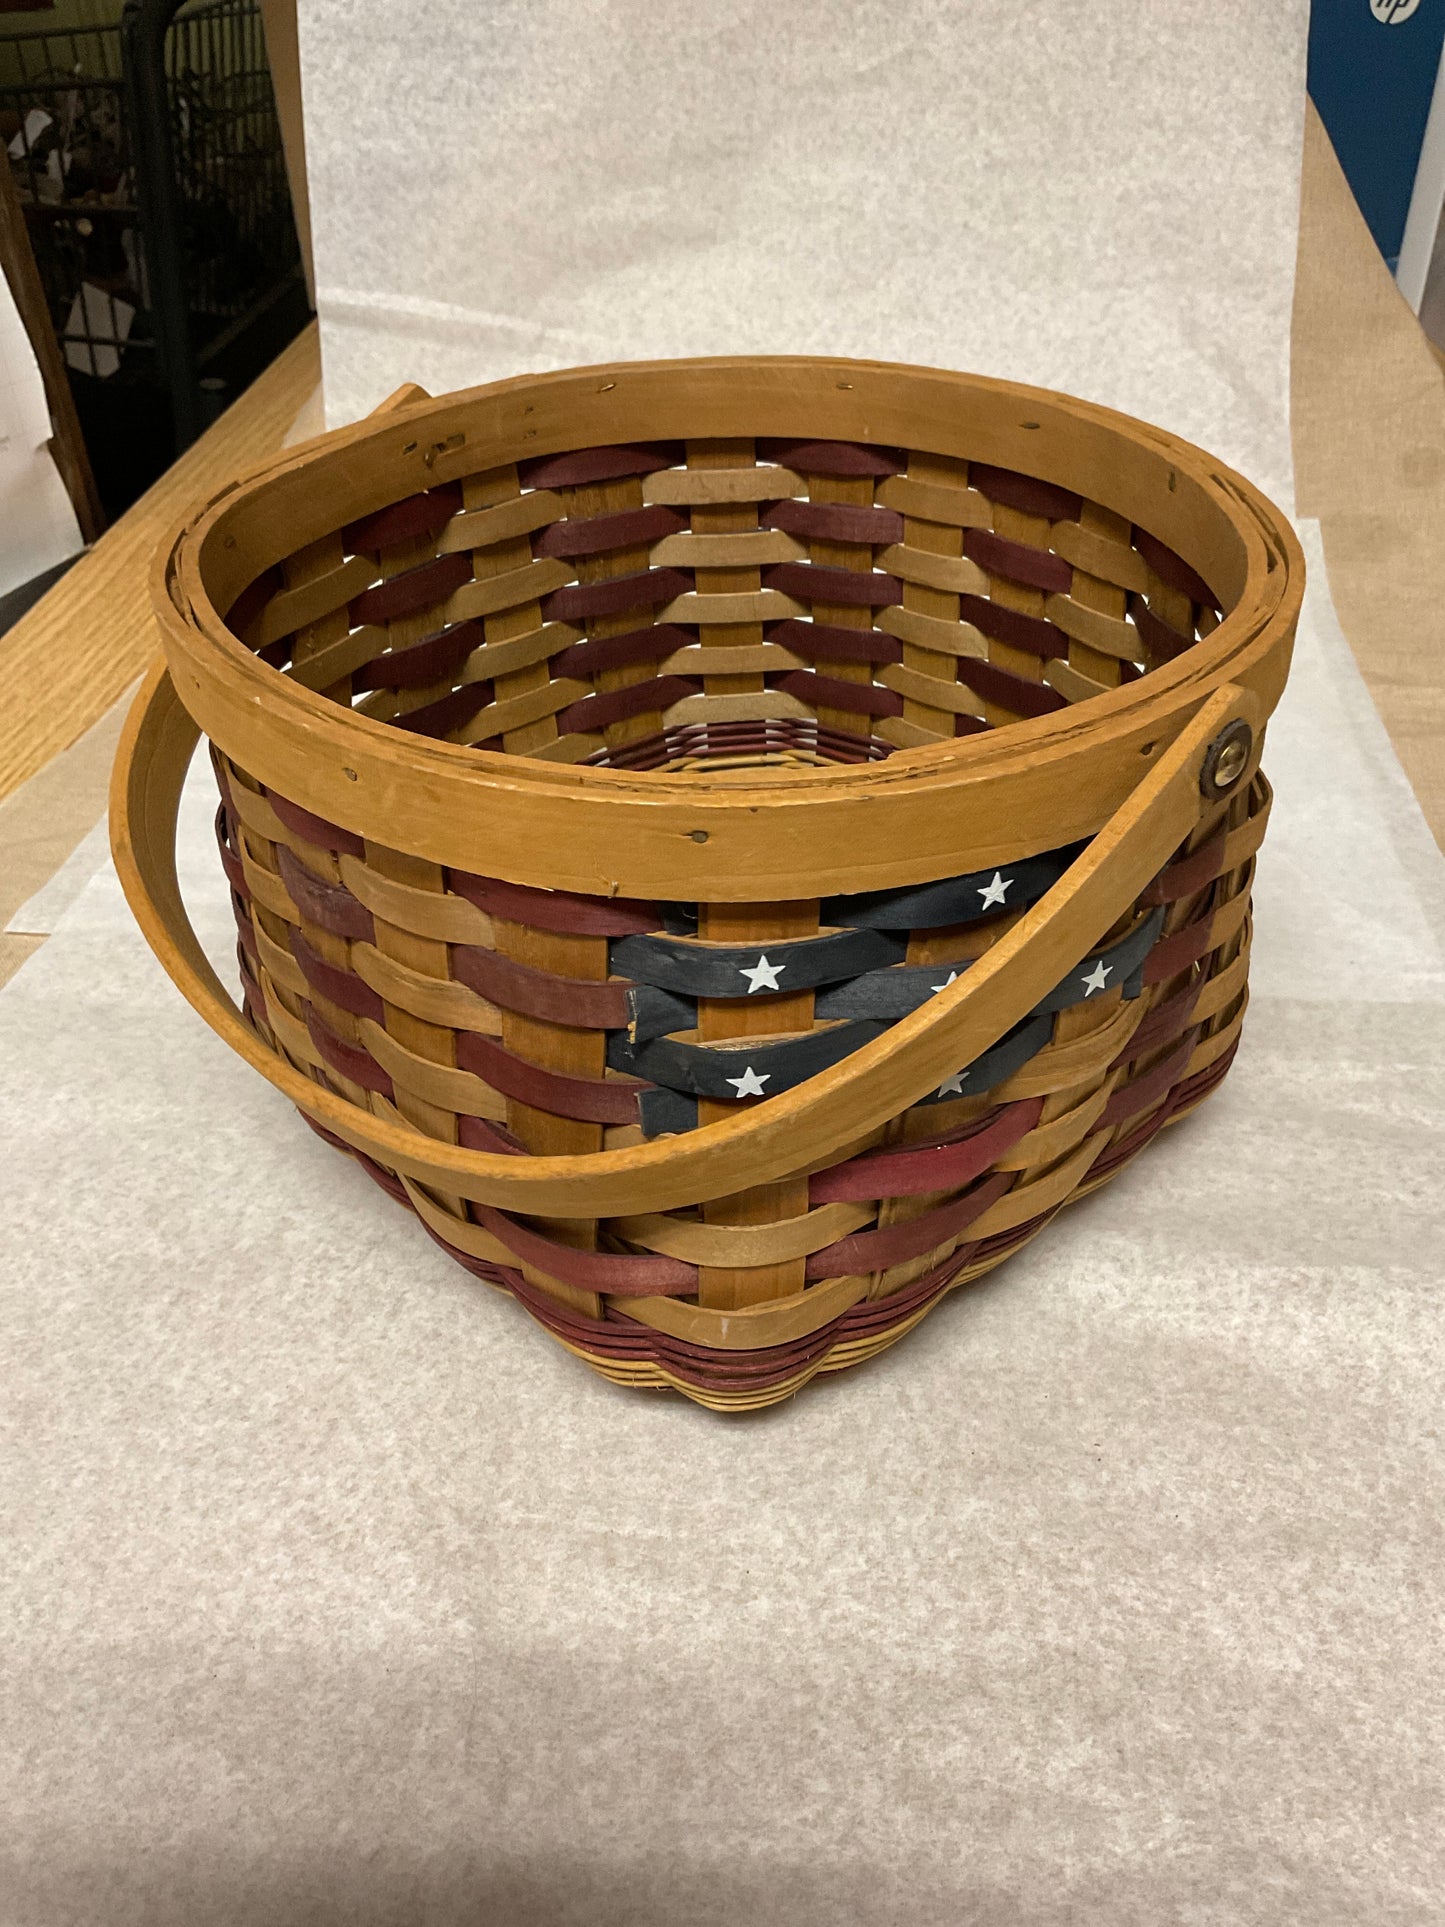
(1230, 765)
(698, 836)
(1226, 759)
(349, 774)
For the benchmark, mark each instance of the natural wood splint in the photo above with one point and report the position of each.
(733, 846)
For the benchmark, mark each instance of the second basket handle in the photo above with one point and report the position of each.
(800, 1129)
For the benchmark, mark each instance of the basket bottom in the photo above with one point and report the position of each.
(630, 1353)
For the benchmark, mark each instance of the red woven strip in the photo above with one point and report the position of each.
(864, 698)
(1162, 640)
(1147, 1089)
(411, 591)
(453, 711)
(945, 1165)
(1175, 953)
(834, 522)
(246, 937)
(557, 909)
(1009, 625)
(824, 641)
(540, 993)
(628, 1274)
(595, 1100)
(832, 458)
(481, 1134)
(331, 905)
(776, 733)
(1187, 875)
(594, 534)
(997, 685)
(447, 712)
(235, 875)
(895, 1244)
(1173, 569)
(350, 1060)
(1163, 1024)
(1023, 492)
(315, 829)
(341, 987)
(860, 588)
(419, 663)
(585, 465)
(614, 596)
(1035, 568)
(615, 705)
(253, 599)
(971, 725)
(426, 514)
(590, 658)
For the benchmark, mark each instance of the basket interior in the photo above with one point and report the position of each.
(726, 604)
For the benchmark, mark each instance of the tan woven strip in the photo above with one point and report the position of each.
(569, 749)
(944, 637)
(903, 734)
(749, 550)
(481, 528)
(1057, 1138)
(929, 690)
(1031, 1200)
(742, 1244)
(500, 719)
(720, 659)
(498, 593)
(1225, 985)
(704, 487)
(291, 609)
(332, 661)
(268, 889)
(1213, 1048)
(758, 605)
(447, 919)
(255, 813)
(495, 659)
(958, 508)
(1111, 635)
(457, 1231)
(436, 1084)
(750, 708)
(1062, 1066)
(439, 1000)
(281, 964)
(1071, 683)
(954, 573)
(291, 1031)
(1098, 556)
(750, 1327)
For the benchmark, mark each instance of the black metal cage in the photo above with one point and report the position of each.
(149, 162)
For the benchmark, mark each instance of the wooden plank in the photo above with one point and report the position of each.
(82, 645)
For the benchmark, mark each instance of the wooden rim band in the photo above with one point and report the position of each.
(613, 831)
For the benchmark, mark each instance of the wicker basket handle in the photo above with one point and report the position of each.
(803, 1128)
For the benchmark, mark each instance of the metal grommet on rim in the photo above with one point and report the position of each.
(1226, 760)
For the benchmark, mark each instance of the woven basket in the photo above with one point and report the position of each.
(734, 846)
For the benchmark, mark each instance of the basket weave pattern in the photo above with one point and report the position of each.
(727, 607)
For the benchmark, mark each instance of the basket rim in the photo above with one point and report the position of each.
(994, 794)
